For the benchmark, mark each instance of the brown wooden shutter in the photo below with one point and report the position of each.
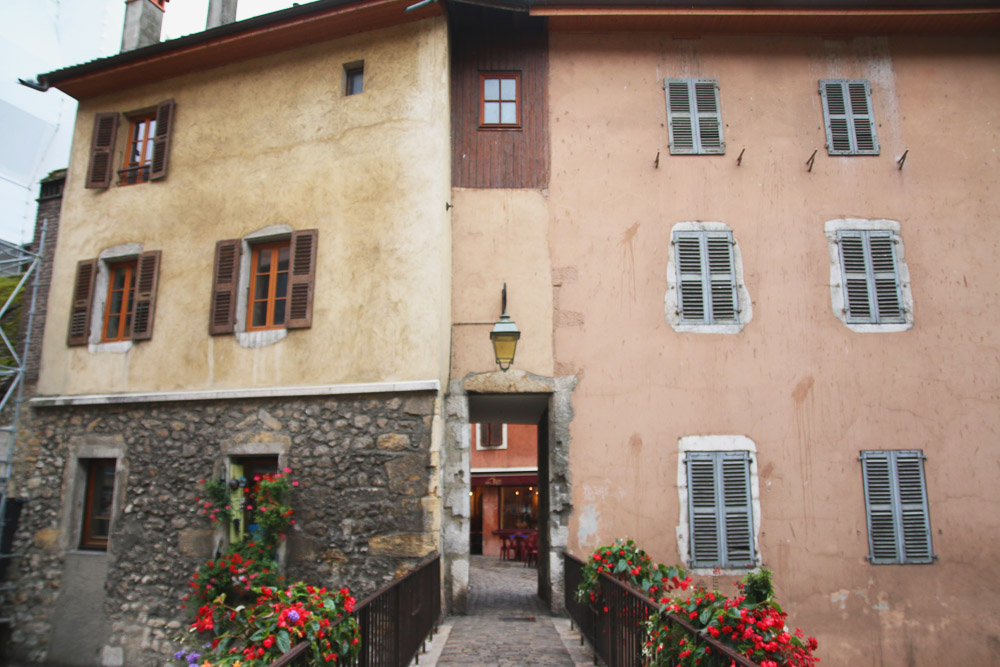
(83, 298)
(225, 277)
(302, 279)
(491, 434)
(161, 140)
(102, 146)
(148, 270)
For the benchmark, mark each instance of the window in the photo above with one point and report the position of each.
(518, 508)
(141, 131)
(847, 113)
(354, 78)
(263, 283)
(694, 118)
(491, 435)
(870, 286)
(246, 473)
(147, 151)
(268, 286)
(123, 289)
(118, 306)
(500, 100)
(719, 502)
(705, 291)
(899, 527)
(98, 503)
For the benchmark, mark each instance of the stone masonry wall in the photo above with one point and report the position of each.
(364, 507)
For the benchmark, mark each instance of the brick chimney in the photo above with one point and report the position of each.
(220, 12)
(143, 19)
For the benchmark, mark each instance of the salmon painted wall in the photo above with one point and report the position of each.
(521, 450)
(809, 392)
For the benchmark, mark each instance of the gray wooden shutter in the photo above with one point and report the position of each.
(102, 146)
(722, 273)
(847, 112)
(83, 299)
(737, 510)
(703, 514)
(302, 278)
(694, 119)
(691, 288)
(225, 279)
(870, 277)
(144, 299)
(896, 503)
(161, 140)
(706, 95)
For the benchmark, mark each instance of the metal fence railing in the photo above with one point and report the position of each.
(395, 620)
(615, 626)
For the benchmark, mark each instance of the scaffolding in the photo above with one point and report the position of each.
(15, 260)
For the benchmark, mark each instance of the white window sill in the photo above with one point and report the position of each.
(255, 339)
(116, 347)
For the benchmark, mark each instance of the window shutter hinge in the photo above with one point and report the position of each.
(869, 558)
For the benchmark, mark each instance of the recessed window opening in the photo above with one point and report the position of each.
(119, 303)
(141, 133)
(98, 504)
(499, 100)
(354, 77)
(247, 473)
(269, 286)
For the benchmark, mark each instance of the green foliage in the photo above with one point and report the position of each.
(11, 321)
(240, 569)
(757, 587)
(624, 561)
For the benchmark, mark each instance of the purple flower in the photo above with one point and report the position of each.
(293, 616)
(180, 654)
(193, 658)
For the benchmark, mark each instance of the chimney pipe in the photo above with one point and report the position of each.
(143, 20)
(220, 12)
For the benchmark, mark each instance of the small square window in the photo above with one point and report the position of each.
(98, 504)
(354, 78)
(500, 100)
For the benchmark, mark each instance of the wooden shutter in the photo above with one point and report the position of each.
(703, 509)
(491, 434)
(302, 278)
(144, 298)
(737, 511)
(161, 140)
(83, 299)
(102, 146)
(870, 277)
(691, 296)
(847, 112)
(899, 529)
(694, 118)
(722, 277)
(225, 279)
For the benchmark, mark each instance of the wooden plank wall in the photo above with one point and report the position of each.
(493, 40)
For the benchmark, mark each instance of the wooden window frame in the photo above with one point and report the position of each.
(274, 247)
(139, 171)
(87, 539)
(516, 77)
(128, 301)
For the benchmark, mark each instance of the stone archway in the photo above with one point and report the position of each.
(521, 397)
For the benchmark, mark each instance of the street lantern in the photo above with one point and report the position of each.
(504, 335)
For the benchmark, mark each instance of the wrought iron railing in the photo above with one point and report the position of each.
(395, 620)
(615, 627)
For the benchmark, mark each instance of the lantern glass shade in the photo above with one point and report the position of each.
(505, 336)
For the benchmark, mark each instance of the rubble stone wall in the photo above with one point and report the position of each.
(364, 506)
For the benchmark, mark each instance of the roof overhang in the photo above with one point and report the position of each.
(291, 28)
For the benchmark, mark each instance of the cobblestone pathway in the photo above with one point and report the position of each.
(507, 624)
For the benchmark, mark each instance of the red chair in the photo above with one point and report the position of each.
(506, 547)
(531, 550)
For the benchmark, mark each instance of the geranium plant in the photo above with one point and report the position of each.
(751, 624)
(257, 634)
(624, 561)
(235, 573)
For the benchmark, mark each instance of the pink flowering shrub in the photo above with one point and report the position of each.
(624, 561)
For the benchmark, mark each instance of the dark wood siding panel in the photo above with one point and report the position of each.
(491, 40)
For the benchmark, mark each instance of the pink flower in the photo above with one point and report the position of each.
(286, 470)
(295, 483)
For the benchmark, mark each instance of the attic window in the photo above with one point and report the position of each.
(354, 78)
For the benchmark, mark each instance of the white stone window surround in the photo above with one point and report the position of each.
(119, 253)
(837, 297)
(255, 339)
(479, 440)
(82, 449)
(744, 304)
(715, 443)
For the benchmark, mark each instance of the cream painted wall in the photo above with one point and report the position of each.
(500, 236)
(807, 390)
(274, 141)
